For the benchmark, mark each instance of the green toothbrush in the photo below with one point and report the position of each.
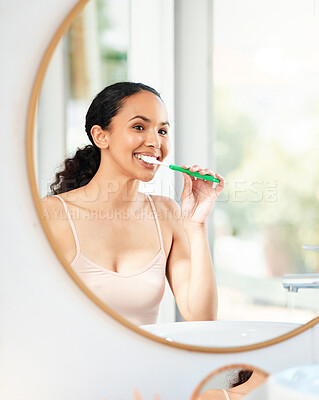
(152, 160)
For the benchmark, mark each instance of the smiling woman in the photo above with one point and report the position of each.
(105, 227)
(80, 169)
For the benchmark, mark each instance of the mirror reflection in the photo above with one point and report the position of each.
(116, 241)
(232, 382)
(141, 236)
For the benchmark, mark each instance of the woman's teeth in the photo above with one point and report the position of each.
(146, 159)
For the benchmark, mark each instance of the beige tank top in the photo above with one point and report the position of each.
(135, 296)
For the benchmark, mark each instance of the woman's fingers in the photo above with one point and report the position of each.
(202, 171)
(221, 183)
(206, 171)
(221, 178)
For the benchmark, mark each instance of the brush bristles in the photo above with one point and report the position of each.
(150, 160)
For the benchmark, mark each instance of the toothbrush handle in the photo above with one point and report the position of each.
(197, 174)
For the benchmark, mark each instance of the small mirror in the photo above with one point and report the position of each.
(232, 382)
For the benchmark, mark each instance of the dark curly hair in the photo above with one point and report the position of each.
(242, 377)
(80, 169)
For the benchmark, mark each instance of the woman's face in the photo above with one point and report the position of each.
(141, 126)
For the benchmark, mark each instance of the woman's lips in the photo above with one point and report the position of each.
(145, 164)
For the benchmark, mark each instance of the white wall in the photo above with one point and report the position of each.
(54, 342)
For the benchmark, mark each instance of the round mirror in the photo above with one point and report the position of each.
(246, 115)
(232, 382)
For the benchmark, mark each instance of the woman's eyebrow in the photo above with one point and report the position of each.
(148, 120)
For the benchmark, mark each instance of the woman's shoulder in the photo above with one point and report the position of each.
(167, 209)
(49, 204)
(56, 218)
(52, 204)
(53, 211)
(165, 202)
(211, 394)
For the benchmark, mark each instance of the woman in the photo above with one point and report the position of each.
(245, 382)
(105, 226)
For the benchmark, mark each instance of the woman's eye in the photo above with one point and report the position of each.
(138, 126)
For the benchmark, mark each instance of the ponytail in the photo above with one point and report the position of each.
(78, 170)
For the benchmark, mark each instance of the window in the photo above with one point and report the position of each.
(266, 119)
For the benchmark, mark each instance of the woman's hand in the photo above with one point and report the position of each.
(198, 196)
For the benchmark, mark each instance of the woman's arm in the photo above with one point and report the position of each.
(190, 269)
(202, 291)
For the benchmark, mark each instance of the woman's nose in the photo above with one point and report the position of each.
(153, 139)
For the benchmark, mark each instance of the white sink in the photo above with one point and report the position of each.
(220, 333)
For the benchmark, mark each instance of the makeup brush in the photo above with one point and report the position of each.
(152, 160)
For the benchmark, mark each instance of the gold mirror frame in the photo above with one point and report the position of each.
(36, 88)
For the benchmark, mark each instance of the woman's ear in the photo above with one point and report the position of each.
(100, 136)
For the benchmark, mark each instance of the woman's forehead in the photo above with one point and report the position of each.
(146, 104)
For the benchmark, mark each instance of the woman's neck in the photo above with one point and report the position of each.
(109, 191)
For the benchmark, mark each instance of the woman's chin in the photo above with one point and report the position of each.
(147, 179)
(147, 174)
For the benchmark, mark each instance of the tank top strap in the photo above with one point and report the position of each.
(226, 394)
(75, 235)
(157, 222)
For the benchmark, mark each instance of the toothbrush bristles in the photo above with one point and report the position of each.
(150, 160)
